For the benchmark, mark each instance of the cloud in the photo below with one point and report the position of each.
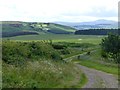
(102, 12)
(57, 10)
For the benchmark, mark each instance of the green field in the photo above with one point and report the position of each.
(60, 38)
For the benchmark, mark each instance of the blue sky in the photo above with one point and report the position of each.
(58, 10)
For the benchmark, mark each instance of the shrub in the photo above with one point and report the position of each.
(65, 51)
(19, 52)
(111, 46)
(59, 46)
(55, 56)
(103, 54)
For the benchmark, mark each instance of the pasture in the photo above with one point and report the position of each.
(94, 39)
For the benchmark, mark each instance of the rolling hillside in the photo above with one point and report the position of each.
(15, 28)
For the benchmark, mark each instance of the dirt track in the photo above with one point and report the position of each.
(98, 79)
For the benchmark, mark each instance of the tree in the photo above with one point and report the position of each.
(111, 46)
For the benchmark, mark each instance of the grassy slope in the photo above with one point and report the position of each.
(42, 74)
(61, 28)
(39, 27)
(7, 26)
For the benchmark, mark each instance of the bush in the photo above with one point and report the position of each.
(65, 51)
(19, 52)
(59, 46)
(111, 46)
(56, 56)
(103, 54)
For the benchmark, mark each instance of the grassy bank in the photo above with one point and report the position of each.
(42, 74)
(94, 60)
(99, 66)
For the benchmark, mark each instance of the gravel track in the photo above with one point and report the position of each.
(98, 79)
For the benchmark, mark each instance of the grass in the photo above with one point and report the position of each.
(83, 80)
(51, 74)
(42, 74)
(99, 66)
(61, 27)
(47, 74)
(41, 28)
(94, 39)
(95, 61)
(37, 65)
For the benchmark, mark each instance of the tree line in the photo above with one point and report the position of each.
(18, 33)
(97, 31)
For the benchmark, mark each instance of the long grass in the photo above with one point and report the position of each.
(42, 74)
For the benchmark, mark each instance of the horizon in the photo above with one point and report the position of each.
(57, 21)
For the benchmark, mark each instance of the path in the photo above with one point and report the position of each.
(98, 79)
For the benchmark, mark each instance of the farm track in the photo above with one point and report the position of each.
(96, 78)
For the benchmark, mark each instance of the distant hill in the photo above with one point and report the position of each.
(15, 28)
(98, 24)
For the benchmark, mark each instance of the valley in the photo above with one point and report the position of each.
(59, 44)
(54, 58)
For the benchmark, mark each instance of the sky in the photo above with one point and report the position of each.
(58, 10)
